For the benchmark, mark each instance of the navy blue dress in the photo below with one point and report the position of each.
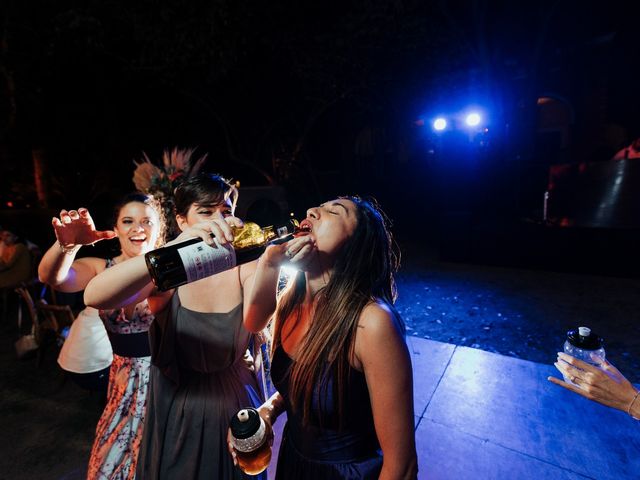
(321, 449)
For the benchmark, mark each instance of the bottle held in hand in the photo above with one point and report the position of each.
(584, 345)
(193, 259)
(250, 441)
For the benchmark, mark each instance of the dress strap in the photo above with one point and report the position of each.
(240, 283)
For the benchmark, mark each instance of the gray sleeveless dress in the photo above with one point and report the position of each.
(198, 381)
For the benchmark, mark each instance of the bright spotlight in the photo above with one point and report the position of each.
(473, 119)
(439, 124)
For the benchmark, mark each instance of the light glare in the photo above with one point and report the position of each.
(439, 124)
(473, 119)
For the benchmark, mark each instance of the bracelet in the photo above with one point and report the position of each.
(67, 250)
(631, 405)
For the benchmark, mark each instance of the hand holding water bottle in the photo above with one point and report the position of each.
(587, 373)
(603, 384)
(584, 345)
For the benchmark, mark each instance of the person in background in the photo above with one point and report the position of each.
(199, 375)
(629, 152)
(2, 244)
(15, 261)
(86, 353)
(138, 228)
(340, 362)
(605, 385)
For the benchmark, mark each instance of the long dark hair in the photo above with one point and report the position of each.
(204, 189)
(145, 199)
(363, 273)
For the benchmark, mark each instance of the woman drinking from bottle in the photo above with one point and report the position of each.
(339, 362)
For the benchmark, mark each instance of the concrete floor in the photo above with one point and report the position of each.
(480, 415)
(489, 416)
(481, 412)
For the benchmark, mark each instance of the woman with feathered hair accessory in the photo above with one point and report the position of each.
(161, 181)
(201, 374)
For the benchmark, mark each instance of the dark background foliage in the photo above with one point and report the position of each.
(321, 98)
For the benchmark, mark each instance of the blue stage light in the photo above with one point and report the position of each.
(472, 119)
(439, 124)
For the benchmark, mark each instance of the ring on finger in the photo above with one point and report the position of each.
(288, 253)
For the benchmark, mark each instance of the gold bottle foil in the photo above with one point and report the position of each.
(252, 235)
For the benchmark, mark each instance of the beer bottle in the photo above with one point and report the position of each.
(250, 441)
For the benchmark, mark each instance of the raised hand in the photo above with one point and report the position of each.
(76, 227)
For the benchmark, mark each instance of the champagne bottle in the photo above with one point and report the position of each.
(193, 259)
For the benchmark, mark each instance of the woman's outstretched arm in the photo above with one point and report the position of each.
(123, 284)
(605, 385)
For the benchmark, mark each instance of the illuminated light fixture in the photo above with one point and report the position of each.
(473, 119)
(439, 124)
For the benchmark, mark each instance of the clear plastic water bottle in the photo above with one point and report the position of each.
(584, 345)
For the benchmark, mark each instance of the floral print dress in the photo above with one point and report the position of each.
(114, 453)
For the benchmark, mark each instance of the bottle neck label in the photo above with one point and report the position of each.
(201, 260)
